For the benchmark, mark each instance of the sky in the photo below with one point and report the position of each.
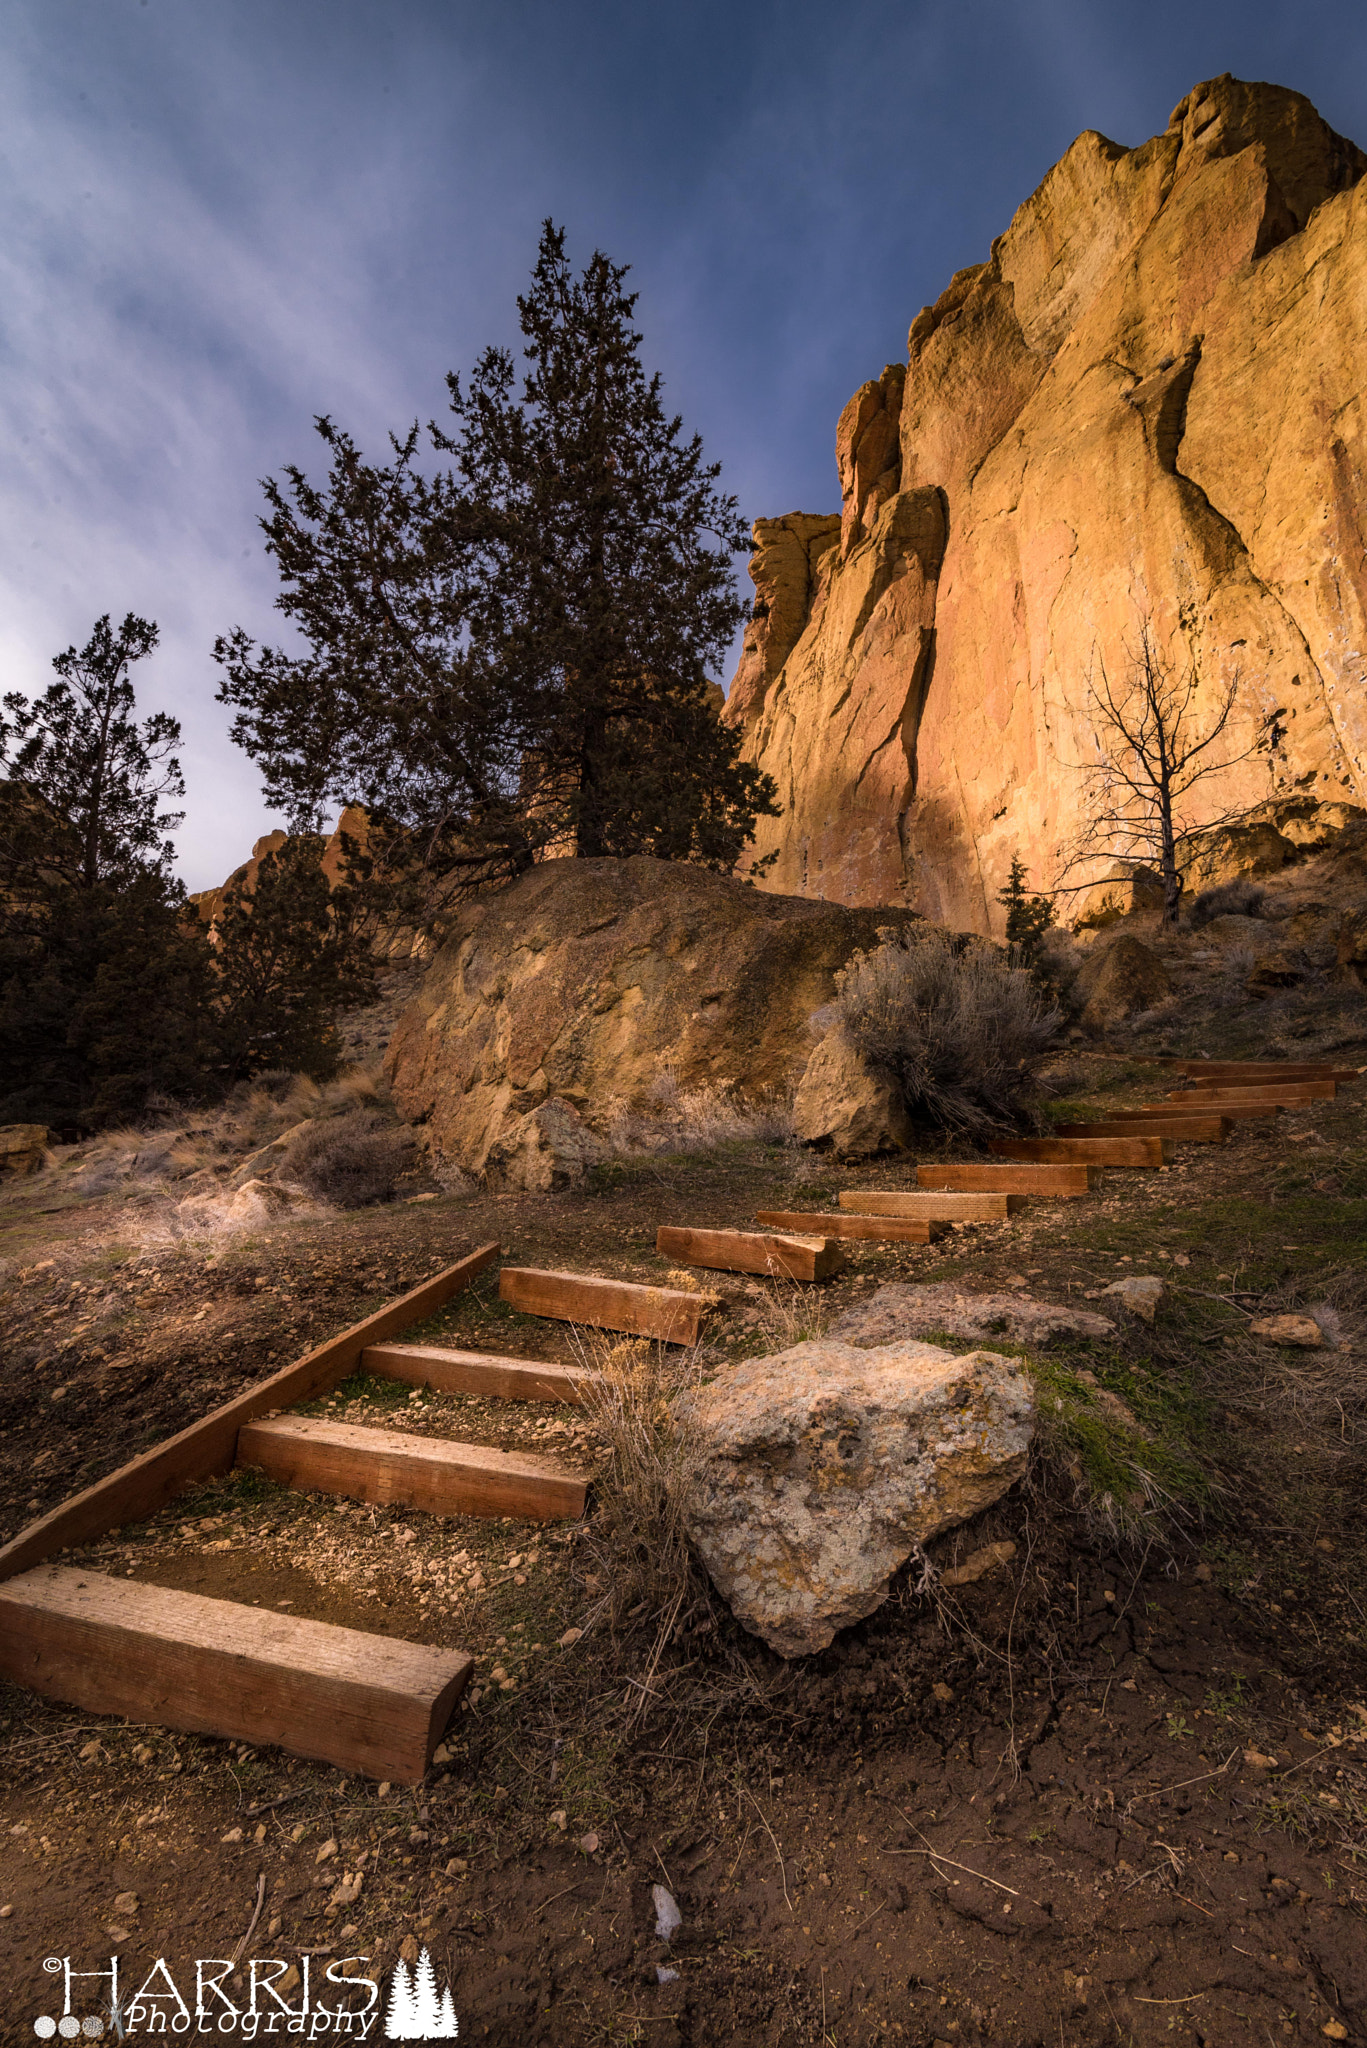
(219, 218)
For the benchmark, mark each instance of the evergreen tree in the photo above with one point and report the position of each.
(1028, 917)
(511, 657)
(449, 2028)
(426, 2013)
(291, 952)
(400, 2019)
(101, 981)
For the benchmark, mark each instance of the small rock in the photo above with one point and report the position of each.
(6, 1912)
(664, 1976)
(329, 1848)
(559, 1819)
(1258, 1761)
(588, 1843)
(1142, 1294)
(288, 1981)
(233, 1835)
(570, 1638)
(382, 1791)
(1203, 1573)
(1334, 2030)
(1302, 1333)
(942, 1692)
(441, 1754)
(668, 1918)
(1114, 1409)
(117, 1933)
(126, 1904)
(978, 1563)
(457, 1867)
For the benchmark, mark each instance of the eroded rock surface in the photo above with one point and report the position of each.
(842, 1105)
(593, 980)
(823, 1466)
(549, 1148)
(899, 1311)
(1148, 401)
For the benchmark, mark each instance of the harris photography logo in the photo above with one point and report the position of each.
(264, 1998)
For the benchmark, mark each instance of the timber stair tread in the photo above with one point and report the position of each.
(439, 1474)
(448, 1371)
(211, 1666)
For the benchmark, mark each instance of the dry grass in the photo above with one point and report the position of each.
(959, 1029)
(350, 1160)
(1228, 899)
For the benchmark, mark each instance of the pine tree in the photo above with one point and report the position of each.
(426, 2015)
(1028, 917)
(401, 2019)
(449, 2028)
(511, 657)
(101, 980)
(291, 952)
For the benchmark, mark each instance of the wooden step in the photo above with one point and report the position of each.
(928, 1207)
(214, 1667)
(1196, 1105)
(1292, 1094)
(208, 1447)
(749, 1251)
(476, 1372)
(666, 1313)
(1183, 1130)
(1003, 1179)
(385, 1466)
(1226, 1071)
(1139, 1151)
(882, 1229)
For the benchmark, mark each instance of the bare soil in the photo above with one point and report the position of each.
(1116, 1790)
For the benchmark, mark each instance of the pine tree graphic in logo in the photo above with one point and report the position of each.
(416, 2013)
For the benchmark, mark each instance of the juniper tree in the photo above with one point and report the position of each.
(509, 655)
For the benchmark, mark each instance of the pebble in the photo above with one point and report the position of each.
(328, 1849)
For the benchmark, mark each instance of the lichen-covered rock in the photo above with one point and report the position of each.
(941, 1308)
(1301, 1333)
(1140, 1293)
(592, 979)
(1119, 979)
(548, 1149)
(821, 1468)
(843, 1105)
(1145, 403)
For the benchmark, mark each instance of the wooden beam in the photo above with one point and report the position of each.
(1004, 1179)
(1139, 1151)
(1183, 1130)
(1194, 1105)
(750, 1251)
(476, 1372)
(1218, 1071)
(929, 1207)
(429, 1472)
(882, 1229)
(178, 1660)
(209, 1446)
(1292, 1094)
(666, 1313)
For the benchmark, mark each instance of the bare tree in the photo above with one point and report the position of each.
(1154, 750)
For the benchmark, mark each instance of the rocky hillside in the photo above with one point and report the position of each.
(1148, 402)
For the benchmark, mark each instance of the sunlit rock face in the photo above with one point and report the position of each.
(1149, 403)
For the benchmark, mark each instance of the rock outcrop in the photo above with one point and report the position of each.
(1119, 978)
(1148, 403)
(821, 1468)
(548, 1149)
(942, 1309)
(844, 1107)
(22, 1147)
(594, 980)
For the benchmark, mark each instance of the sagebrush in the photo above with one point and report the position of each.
(1227, 899)
(959, 1029)
(350, 1160)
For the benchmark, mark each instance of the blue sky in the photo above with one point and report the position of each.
(220, 217)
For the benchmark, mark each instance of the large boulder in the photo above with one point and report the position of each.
(1145, 403)
(844, 1107)
(22, 1147)
(548, 1149)
(591, 980)
(1117, 981)
(822, 1467)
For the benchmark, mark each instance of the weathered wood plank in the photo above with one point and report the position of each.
(666, 1313)
(750, 1251)
(882, 1229)
(1138, 1151)
(383, 1466)
(1183, 1130)
(209, 1446)
(1264, 1070)
(931, 1207)
(1290, 1093)
(1006, 1179)
(476, 1372)
(1195, 1105)
(178, 1660)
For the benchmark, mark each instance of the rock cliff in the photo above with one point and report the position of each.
(1149, 403)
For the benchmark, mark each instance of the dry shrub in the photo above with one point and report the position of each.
(696, 1120)
(959, 1029)
(351, 1160)
(1228, 899)
(636, 1544)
